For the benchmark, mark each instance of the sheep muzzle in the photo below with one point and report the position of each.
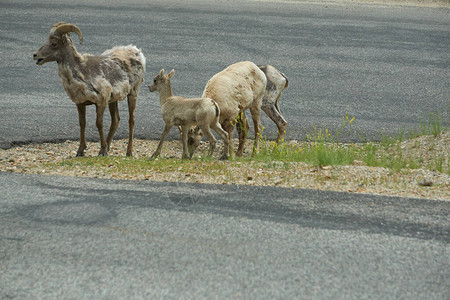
(39, 60)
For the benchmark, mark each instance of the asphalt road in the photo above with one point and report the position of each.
(387, 66)
(106, 239)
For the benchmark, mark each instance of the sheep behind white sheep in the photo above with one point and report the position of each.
(185, 113)
(101, 80)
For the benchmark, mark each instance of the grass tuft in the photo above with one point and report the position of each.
(323, 148)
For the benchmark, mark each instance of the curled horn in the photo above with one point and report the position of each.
(63, 28)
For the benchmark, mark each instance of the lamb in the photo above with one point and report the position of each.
(276, 83)
(186, 113)
(239, 87)
(101, 80)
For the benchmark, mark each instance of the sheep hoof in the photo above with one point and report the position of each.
(80, 154)
(103, 154)
(224, 157)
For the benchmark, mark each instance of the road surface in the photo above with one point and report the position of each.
(93, 238)
(386, 65)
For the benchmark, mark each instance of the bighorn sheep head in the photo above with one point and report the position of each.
(57, 39)
(160, 79)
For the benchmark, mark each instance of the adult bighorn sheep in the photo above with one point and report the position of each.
(276, 83)
(102, 80)
(185, 113)
(241, 86)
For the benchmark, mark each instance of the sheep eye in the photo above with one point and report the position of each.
(54, 45)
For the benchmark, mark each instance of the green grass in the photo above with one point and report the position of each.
(322, 148)
(377, 155)
(142, 166)
(432, 126)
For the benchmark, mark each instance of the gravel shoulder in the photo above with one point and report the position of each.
(48, 158)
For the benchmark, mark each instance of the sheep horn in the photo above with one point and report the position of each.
(63, 28)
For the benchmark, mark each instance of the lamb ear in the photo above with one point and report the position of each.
(161, 72)
(171, 73)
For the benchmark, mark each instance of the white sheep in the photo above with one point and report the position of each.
(276, 83)
(186, 113)
(239, 87)
(101, 80)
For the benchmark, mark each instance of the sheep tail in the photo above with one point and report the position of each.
(285, 77)
(217, 107)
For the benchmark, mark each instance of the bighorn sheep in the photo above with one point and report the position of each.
(101, 80)
(276, 83)
(186, 113)
(239, 87)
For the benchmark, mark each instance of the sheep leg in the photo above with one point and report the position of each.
(228, 126)
(166, 131)
(184, 139)
(115, 118)
(278, 119)
(99, 123)
(131, 108)
(212, 140)
(256, 114)
(242, 129)
(180, 134)
(82, 120)
(226, 146)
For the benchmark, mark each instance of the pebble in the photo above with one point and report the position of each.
(426, 182)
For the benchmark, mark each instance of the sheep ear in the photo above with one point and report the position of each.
(171, 73)
(161, 72)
